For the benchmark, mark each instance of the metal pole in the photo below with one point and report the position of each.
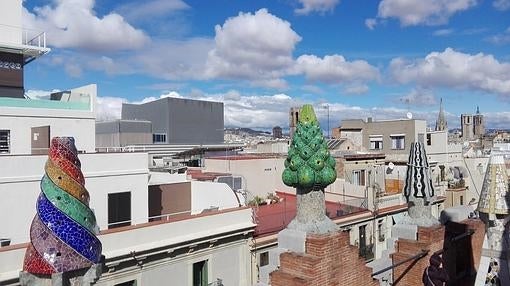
(328, 120)
(420, 255)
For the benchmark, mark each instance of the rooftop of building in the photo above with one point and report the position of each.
(240, 157)
(353, 156)
(199, 175)
(164, 235)
(43, 103)
(272, 218)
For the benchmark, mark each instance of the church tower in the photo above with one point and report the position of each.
(441, 123)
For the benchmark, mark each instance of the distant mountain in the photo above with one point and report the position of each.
(249, 131)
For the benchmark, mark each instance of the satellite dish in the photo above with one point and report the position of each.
(409, 115)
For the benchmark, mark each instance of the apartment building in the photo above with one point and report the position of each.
(391, 137)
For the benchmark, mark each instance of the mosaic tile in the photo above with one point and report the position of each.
(65, 182)
(73, 234)
(70, 169)
(54, 251)
(34, 263)
(69, 205)
(63, 231)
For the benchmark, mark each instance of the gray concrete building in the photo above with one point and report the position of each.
(180, 121)
(120, 133)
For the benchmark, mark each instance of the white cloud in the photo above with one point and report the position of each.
(454, 69)
(174, 60)
(320, 6)
(497, 119)
(151, 9)
(356, 89)
(252, 46)
(417, 12)
(266, 111)
(501, 5)
(312, 89)
(74, 24)
(334, 69)
(419, 97)
(500, 39)
(443, 32)
(109, 108)
(371, 23)
(40, 94)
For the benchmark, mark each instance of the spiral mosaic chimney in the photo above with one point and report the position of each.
(63, 232)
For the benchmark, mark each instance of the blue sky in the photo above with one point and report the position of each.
(361, 58)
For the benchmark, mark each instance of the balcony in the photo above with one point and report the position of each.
(30, 43)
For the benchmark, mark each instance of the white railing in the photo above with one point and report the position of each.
(22, 36)
(218, 282)
(389, 201)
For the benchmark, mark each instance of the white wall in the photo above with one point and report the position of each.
(355, 136)
(20, 129)
(19, 188)
(10, 22)
(79, 124)
(476, 168)
(273, 147)
(263, 175)
(205, 195)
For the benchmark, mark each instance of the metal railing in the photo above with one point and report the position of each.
(417, 256)
(28, 37)
(165, 217)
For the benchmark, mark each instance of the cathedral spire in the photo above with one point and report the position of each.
(441, 123)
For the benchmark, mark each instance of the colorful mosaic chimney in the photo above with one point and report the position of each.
(309, 168)
(494, 212)
(493, 197)
(418, 189)
(63, 232)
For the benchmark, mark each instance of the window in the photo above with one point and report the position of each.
(5, 141)
(461, 200)
(159, 138)
(128, 283)
(264, 259)
(200, 273)
(234, 182)
(398, 142)
(380, 230)
(119, 209)
(358, 177)
(429, 139)
(376, 142)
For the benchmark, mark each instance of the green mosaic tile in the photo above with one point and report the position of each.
(69, 205)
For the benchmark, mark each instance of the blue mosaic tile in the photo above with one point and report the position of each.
(73, 234)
